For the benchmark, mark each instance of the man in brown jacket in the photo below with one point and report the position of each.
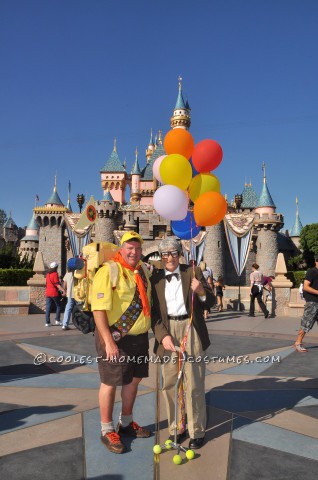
(172, 290)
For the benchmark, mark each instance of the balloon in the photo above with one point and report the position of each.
(186, 228)
(176, 170)
(204, 182)
(156, 167)
(209, 208)
(207, 155)
(179, 141)
(170, 202)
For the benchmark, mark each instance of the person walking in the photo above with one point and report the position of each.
(310, 292)
(122, 317)
(68, 283)
(172, 291)
(208, 275)
(219, 287)
(256, 279)
(52, 289)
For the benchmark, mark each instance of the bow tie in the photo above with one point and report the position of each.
(170, 275)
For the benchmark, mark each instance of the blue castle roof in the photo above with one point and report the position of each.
(108, 197)
(55, 199)
(265, 198)
(113, 164)
(250, 198)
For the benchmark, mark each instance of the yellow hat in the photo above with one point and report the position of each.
(130, 236)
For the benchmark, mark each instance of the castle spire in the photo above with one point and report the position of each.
(297, 227)
(181, 114)
(136, 169)
(265, 199)
(115, 145)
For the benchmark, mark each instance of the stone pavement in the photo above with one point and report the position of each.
(261, 395)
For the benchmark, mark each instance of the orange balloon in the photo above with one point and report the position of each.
(209, 209)
(179, 141)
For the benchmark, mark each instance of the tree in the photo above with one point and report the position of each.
(3, 217)
(309, 243)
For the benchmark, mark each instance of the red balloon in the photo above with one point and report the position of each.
(207, 155)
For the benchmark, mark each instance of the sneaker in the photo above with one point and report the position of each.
(112, 441)
(133, 430)
(65, 327)
(300, 348)
(58, 323)
(47, 324)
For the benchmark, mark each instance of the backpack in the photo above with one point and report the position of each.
(94, 256)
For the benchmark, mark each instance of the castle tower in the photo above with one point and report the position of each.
(114, 177)
(297, 228)
(108, 218)
(214, 253)
(267, 223)
(29, 244)
(135, 181)
(181, 114)
(151, 147)
(52, 230)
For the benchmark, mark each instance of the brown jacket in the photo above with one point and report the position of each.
(159, 315)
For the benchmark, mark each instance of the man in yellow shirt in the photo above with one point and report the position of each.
(122, 317)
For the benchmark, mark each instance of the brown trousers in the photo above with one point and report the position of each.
(193, 376)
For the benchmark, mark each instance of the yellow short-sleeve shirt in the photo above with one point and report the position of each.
(116, 301)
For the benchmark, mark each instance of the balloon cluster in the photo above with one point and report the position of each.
(184, 177)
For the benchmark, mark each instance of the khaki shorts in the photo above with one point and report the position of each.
(133, 360)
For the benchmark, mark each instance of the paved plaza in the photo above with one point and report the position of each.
(261, 398)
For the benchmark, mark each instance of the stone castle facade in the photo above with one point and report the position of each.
(47, 230)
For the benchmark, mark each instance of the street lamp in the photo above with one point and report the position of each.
(80, 200)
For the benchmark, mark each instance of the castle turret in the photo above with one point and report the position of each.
(151, 147)
(135, 181)
(267, 223)
(114, 176)
(297, 228)
(214, 253)
(181, 114)
(29, 244)
(108, 218)
(52, 237)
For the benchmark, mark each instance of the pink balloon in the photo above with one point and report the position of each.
(171, 202)
(156, 168)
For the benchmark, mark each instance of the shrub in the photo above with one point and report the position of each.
(296, 277)
(13, 277)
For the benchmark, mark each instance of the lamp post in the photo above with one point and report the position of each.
(80, 200)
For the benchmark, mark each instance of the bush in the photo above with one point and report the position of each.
(296, 277)
(13, 277)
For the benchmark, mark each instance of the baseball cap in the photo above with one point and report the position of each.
(130, 236)
(53, 265)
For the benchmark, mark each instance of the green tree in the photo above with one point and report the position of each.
(10, 258)
(3, 217)
(309, 243)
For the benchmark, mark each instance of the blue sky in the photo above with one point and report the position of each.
(76, 74)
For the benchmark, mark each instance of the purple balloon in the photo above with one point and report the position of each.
(171, 202)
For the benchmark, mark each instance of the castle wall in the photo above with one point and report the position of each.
(104, 230)
(52, 246)
(267, 251)
(214, 249)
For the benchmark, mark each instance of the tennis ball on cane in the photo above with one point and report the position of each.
(177, 459)
(168, 444)
(157, 449)
(190, 454)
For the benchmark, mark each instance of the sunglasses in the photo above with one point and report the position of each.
(173, 253)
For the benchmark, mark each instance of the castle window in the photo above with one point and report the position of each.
(219, 244)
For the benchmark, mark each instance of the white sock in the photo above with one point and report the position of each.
(125, 420)
(107, 427)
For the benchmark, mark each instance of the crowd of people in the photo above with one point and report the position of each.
(174, 301)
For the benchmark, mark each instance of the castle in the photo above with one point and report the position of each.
(47, 230)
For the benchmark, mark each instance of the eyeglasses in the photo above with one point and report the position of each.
(173, 253)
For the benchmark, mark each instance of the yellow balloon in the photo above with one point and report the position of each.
(176, 170)
(204, 182)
